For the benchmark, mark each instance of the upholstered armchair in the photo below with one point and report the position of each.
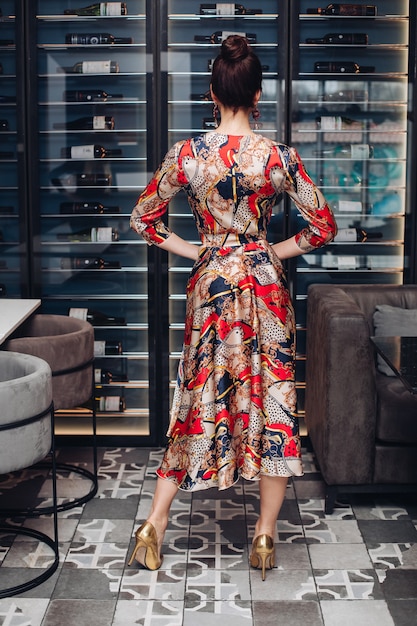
(362, 424)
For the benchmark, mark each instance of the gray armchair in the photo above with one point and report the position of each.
(361, 423)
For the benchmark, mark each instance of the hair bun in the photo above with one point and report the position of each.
(234, 48)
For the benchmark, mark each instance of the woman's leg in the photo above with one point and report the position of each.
(272, 493)
(150, 535)
(165, 493)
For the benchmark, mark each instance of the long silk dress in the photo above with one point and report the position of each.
(234, 406)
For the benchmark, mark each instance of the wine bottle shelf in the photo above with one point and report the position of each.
(349, 75)
(61, 76)
(203, 45)
(379, 47)
(365, 18)
(101, 46)
(89, 18)
(219, 18)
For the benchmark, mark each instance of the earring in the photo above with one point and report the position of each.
(256, 115)
(215, 114)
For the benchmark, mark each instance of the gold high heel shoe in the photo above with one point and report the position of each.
(263, 553)
(146, 547)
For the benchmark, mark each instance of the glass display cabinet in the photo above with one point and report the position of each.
(92, 102)
(350, 94)
(13, 241)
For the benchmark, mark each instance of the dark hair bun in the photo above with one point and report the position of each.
(234, 48)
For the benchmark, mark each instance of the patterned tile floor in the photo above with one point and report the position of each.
(357, 566)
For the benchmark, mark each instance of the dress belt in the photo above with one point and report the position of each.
(228, 239)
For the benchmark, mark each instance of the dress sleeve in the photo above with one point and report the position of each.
(321, 225)
(146, 217)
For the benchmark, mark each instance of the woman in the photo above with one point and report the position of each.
(234, 407)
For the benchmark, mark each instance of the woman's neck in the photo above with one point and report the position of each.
(234, 123)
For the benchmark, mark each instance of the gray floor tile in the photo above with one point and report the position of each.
(400, 584)
(149, 613)
(404, 612)
(339, 556)
(217, 613)
(357, 612)
(387, 531)
(271, 613)
(87, 584)
(286, 585)
(23, 611)
(80, 612)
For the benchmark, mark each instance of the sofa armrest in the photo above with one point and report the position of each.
(340, 387)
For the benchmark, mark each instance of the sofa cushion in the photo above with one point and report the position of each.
(390, 321)
(396, 417)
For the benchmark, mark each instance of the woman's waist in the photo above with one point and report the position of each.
(220, 240)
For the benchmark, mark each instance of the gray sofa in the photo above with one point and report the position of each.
(361, 423)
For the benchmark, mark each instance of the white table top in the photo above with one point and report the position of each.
(14, 311)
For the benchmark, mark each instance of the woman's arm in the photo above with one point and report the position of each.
(321, 226)
(287, 249)
(177, 245)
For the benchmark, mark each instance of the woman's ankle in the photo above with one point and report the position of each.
(264, 529)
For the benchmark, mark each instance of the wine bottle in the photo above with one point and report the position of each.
(346, 95)
(90, 96)
(356, 39)
(342, 67)
(356, 151)
(95, 39)
(7, 99)
(111, 403)
(209, 123)
(103, 376)
(346, 9)
(96, 317)
(100, 8)
(5, 155)
(87, 207)
(4, 210)
(3, 290)
(356, 234)
(102, 348)
(4, 126)
(227, 8)
(89, 151)
(102, 233)
(336, 122)
(91, 67)
(89, 263)
(265, 68)
(6, 42)
(95, 122)
(1, 68)
(82, 180)
(201, 97)
(220, 35)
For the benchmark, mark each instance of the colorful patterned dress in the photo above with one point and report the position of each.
(234, 407)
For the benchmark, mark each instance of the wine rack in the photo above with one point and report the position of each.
(349, 106)
(92, 146)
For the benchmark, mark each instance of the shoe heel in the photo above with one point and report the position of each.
(139, 544)
(263, 554)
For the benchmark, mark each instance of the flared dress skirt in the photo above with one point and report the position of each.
(234, 405)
